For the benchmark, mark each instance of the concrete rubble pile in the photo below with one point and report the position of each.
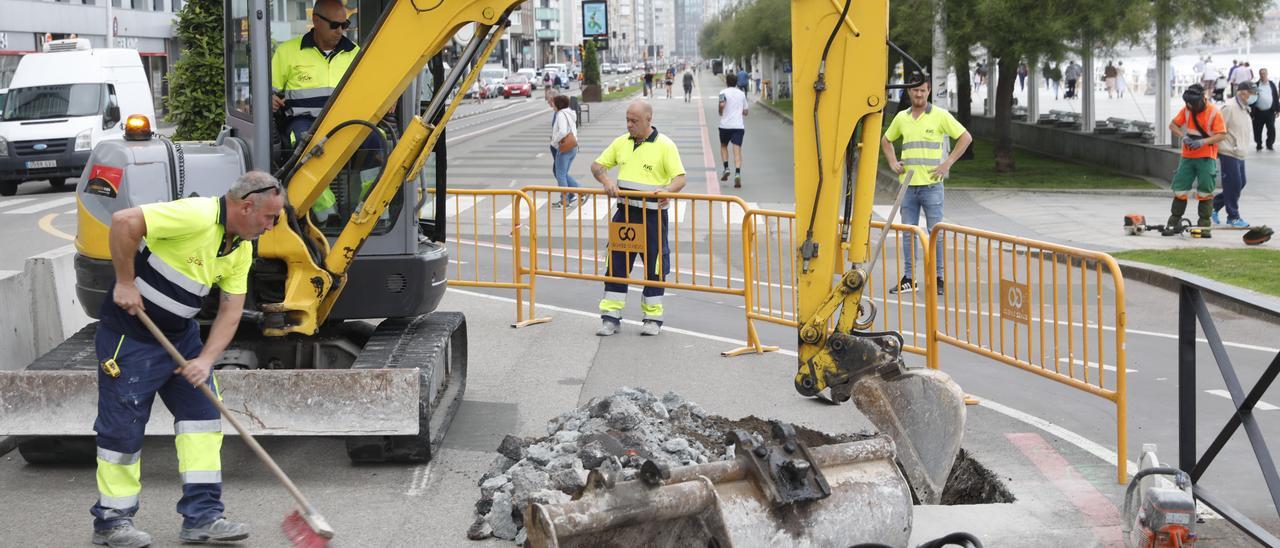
(622, 431)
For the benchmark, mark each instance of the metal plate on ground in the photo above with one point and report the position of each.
(268, 402)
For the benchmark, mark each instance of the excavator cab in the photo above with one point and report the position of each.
(340, 335)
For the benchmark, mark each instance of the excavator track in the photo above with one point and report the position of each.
(436, 344)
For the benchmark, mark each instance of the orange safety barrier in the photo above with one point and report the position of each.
(704, 238)
(1037, 306)
(478, 222)
(771, 295)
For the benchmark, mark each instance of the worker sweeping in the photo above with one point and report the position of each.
(1200, 126)
(167, 257)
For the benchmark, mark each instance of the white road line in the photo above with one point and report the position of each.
(69, 212)
(14, 202)
(1094, 364)
(1089, 446)
(43, 206)
(489, 129)
(1260, 406)
(418, 482)
(1062, 433)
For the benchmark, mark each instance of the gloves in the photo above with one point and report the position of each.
(1191, 142)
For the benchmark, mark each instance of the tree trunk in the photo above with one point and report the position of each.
(1008, 66)
(963, 92)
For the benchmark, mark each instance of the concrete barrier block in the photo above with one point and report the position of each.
(55, 310)
(16, 326)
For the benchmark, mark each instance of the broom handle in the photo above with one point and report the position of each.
(244, 434)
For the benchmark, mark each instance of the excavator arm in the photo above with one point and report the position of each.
(407, 35)
(840, 82)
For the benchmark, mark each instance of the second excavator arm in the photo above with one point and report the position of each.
(839, 69)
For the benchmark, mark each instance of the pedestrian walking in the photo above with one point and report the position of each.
(1208, 77)
(647, 161)
(1056, 77)
(1200, 126)
(688, 85)
(648, 80)
(1122, 83)
(744, 79)
(564, 147)
(670, 80)
(733, 127)
(1022, 75)
(924, 131)
(755, 79)
(1231, 153)
(167, 257)
(1264, 111)
(1072, 75)
(1109, 78)
(1242, 74)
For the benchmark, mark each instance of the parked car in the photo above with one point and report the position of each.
(63, 102)
(606, 68)
(516, 84)
(492, 77)
(3, 92)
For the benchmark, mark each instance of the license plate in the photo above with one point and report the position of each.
(42, 163)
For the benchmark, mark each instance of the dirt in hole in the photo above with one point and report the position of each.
(969, 482)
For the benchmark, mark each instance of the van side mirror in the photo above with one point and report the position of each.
(111, 117)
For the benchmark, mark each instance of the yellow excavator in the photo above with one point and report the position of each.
(306, 360)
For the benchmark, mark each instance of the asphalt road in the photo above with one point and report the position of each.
(506, 148)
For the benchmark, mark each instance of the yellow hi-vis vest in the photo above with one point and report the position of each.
(306, 75)
(924, 142)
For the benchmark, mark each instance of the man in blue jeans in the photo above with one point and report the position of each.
(924, 131)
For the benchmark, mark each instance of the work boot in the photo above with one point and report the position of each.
(221, 530)
(607, 328)
(650, 328)
(1204, 209)
(122, 536)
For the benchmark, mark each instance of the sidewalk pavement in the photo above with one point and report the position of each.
(1094, 219)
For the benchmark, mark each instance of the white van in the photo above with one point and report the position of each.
(61, 104)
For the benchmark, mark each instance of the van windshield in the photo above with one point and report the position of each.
(59, 101)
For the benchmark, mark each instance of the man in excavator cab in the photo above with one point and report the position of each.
(304, 73)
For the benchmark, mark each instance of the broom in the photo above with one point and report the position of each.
(304, 527)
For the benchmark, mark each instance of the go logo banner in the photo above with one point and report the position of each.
(627, 237)
(1015, 301)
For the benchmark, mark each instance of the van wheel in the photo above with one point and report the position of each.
(8, 189)
(58, 182)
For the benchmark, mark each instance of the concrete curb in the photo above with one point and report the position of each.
(1169, 279)
(786, 119)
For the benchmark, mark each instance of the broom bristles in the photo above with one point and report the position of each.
(300, 533)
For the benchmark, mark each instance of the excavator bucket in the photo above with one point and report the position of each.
(775, 494)
(923, 411)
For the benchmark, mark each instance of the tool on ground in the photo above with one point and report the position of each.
(1135, 225)
(774, 493)
(1158, 513)
(304, 527)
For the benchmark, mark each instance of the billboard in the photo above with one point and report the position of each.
(595, 20)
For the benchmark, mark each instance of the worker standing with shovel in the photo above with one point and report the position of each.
(167, 257)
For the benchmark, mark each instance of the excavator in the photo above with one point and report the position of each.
(341, 337)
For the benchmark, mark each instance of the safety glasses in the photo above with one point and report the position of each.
(333, 24)
(275, 187)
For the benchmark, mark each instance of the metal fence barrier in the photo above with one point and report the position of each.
(1192, 310)
(1037, 306)
(484, 224)
(768, 243)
